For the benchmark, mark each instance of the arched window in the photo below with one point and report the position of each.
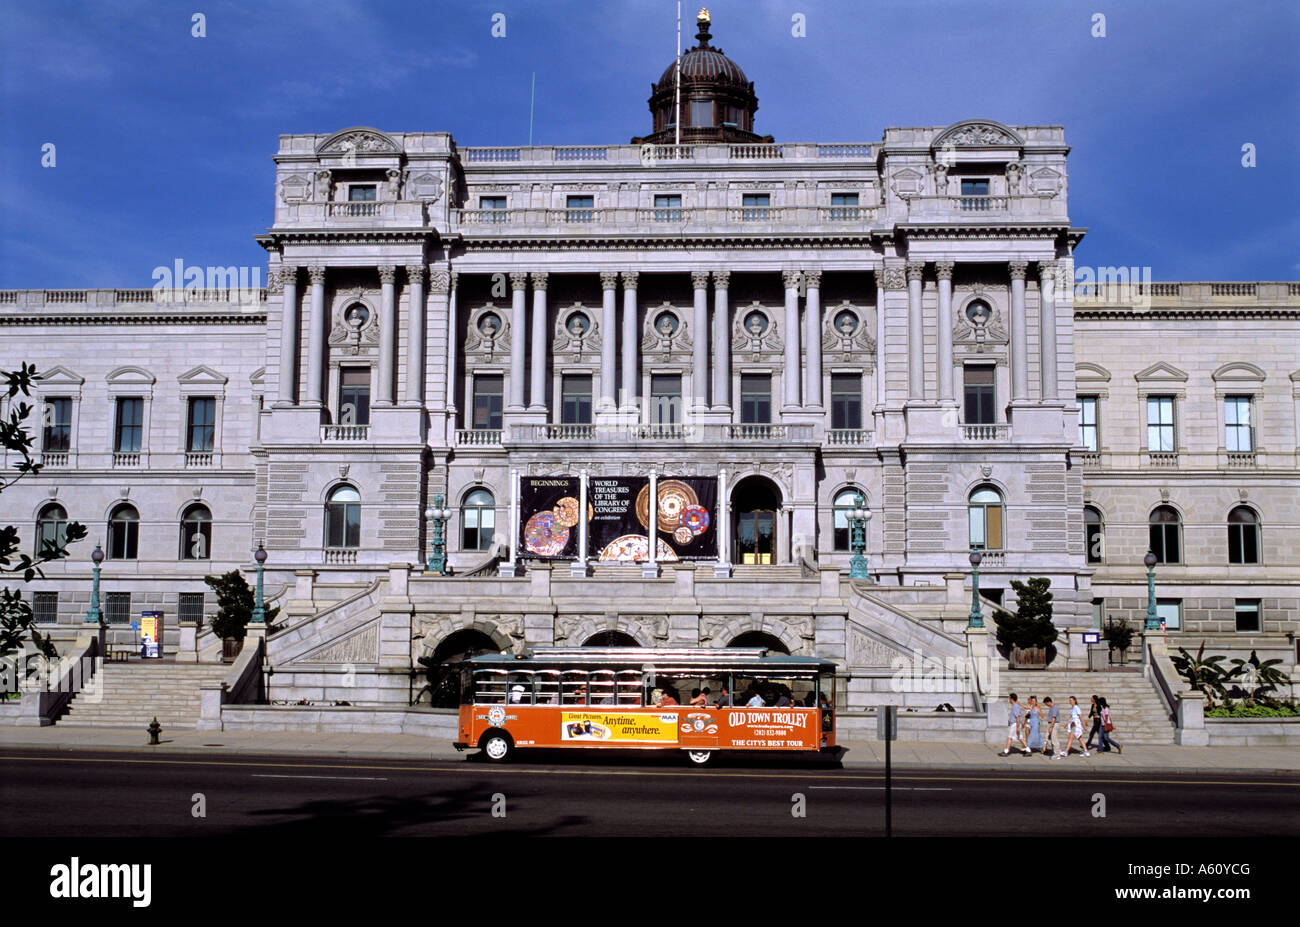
(123, 533)
(51, 526)
(986, 519)
(343, 518)
(478, 519)
(1166, 534)
(843, 504)
(1243, 536)
(196, 533)
(1093, 533)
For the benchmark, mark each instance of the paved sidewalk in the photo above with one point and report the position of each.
(861, 754)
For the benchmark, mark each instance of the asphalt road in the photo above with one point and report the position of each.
(88, 794)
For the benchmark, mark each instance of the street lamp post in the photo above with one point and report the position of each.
(437, 516)
(859, 516)
(976, 616)
(259, 604)
(1153, 620)
(93, 614)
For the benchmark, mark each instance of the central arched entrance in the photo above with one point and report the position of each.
(442, 668)
(755, 503)
(611, 639)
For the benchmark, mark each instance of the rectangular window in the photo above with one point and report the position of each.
(979, 387)
(117, 607)
(129, 432)
(1098, 612)
(668, 208)
(1088, 436)
(45, 607)
(575, 399)
(580, 209)
(202, 429)
(844, 206)
(1248, 615)
(756, 398)
(846, 401)
(1160, 424)
(974, 186)
(1237, 423)
(755, 206)
(57, 434)
(701, 112)
(354, 396)
(496, 203)
(488, 392)
(665, 399)
(190, 608)
(1170, 611)
(361, 193)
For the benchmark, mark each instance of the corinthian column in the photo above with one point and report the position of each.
(792, 372)
(813, 323)
(387, 333)
(1047, 327)
(721, 341)
(700, 345)
(608, 341)
(915, 332)
(631, 344)
(289, 334)
(415, 334)
(1019, 337)
(537, 393)
(518, 325)
(316, 338)
(943, 270)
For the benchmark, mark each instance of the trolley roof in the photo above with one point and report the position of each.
(661, 658)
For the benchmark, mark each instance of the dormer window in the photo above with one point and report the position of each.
(361, 193)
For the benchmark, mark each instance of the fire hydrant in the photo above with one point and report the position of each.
(154, 730)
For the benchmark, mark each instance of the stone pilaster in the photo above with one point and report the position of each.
(518, 325)
(289, 335)
(608, 341)
(792, 372)
(537, 388)
(915, 332)
(1019, 334)
(943, 271)
(316, 338)
(631, 343)
(700, 345)
(415, 335)
(813, 337)
(384, 392)
(1047, 328)
(721, 341)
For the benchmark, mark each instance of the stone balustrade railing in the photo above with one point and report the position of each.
(81, 300)
(617, 219)
(344, 432)
(618, 433)
(656, 154)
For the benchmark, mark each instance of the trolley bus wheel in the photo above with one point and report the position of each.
(700, 757)
(497, 746)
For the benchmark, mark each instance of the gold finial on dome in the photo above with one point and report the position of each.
(704, 15)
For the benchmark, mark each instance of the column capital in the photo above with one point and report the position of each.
(439, 281)
(1047, 270)
(700, 279)
(792, 278)
(415, 273)
(387, 273)
(813, 277)
(609, 280)
(317, 274)
(891, 278)
(538, 277)
(943, 269)
(629, 279)
(274, 282)
(289, 273)
(1017, 269)
(518, 280)
(915, 270)
(721, 279)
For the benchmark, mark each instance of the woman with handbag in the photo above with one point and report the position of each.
(1094, 719)
(1106, 727)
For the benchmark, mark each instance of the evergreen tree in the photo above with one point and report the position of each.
(235, 603)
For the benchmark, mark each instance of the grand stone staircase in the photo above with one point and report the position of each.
(134, 693)
(1136, 708)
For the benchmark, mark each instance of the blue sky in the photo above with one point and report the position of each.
(164, 141)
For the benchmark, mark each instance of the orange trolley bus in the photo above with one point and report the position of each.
(697, 700)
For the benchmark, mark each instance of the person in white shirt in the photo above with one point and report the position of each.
(1076, 729)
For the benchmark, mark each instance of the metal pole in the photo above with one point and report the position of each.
(1153, 621)
(677, 80)
(652, 518)
(889, 774)
(259, 604)
(93, 613)
(582, 520)
(976, 616)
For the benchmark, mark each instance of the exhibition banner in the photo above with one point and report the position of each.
(685, 526)
(548, 517)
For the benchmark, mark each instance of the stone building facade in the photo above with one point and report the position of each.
(807, 321)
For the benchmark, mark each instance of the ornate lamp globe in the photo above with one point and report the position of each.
(260, 555)
(97, 554)
(975, 558)
(1149, 559)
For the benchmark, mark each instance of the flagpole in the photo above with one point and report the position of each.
(677, 74)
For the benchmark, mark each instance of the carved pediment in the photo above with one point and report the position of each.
(1238, 372)
(1161, 372)
(423, 186)
(202, 374)
(59, 376)
(1045, 180)
(359, 140)
(977, 133)
(296, 188)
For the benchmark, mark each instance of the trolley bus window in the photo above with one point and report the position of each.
(520, 686)
(601, 683)
(628, 686)
(574, 687)
(489, 686)
(548, 687)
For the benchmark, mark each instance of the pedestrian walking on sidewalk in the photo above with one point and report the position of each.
(1015, 726)
(1033, 718)
(1094, 719)
(1106, 727)
(1076, 729)
(1053, 717)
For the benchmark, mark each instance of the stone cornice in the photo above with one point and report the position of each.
(1177, 312)
(173, 317)
(276, 239)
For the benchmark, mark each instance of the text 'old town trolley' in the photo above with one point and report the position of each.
(697, 700)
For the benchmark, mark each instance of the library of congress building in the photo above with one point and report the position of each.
(651, 394)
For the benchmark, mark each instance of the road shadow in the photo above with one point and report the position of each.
(662, 759)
